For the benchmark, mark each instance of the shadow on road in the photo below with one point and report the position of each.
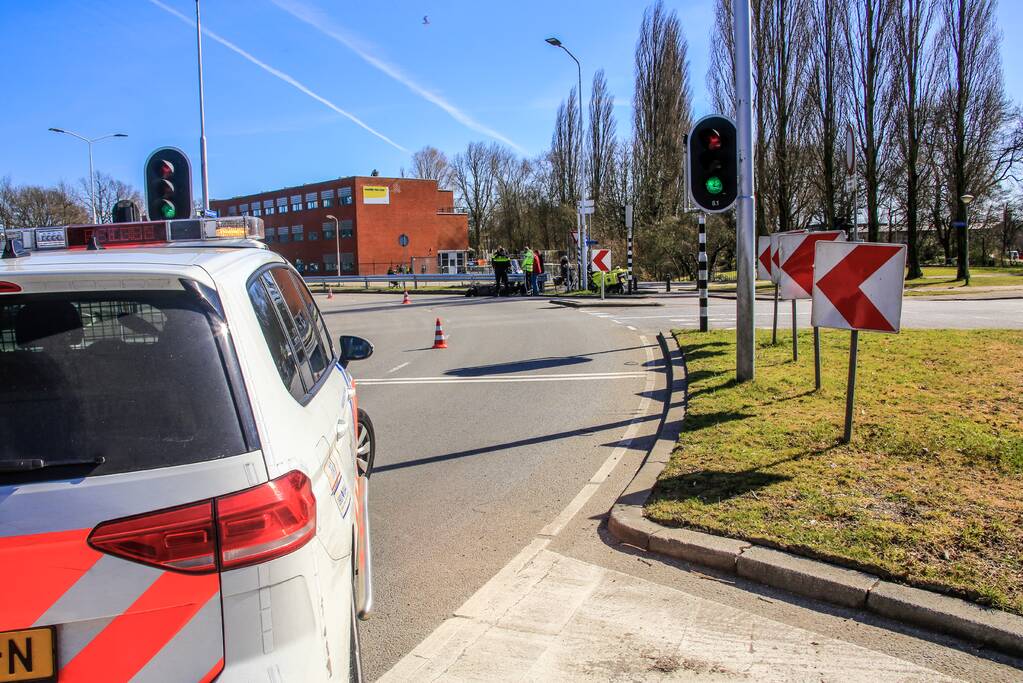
(514, 444)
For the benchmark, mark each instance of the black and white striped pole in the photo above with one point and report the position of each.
(701, 280)
(628, 226)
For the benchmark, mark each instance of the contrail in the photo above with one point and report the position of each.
(279, 74)
(323, 23)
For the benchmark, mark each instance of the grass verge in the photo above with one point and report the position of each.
(929, 492)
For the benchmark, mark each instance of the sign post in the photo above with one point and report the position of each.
(745, 230)
(858, 286)
(764, 273)
(795, 279)
(628, 226)
(586, 208)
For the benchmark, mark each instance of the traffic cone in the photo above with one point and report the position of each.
(330, 293)
(440, 340)
(405, 300)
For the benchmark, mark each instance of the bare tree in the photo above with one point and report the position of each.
(977, 110)
(662, 114)
(474, 179)
(868, 37)
(564, 156)
(915, 92)
(601, 136)
(31, 206)
(432, 164)
(109, 191)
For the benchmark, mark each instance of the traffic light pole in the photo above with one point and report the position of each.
(202, 118)
(702, 275)
(744, 227)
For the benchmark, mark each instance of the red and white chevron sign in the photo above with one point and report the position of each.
(764, 258)
(858, 286)
(795, 258)
(601, 260)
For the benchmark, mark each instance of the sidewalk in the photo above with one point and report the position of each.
(549, 617)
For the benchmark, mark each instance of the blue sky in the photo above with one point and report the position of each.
(343, 87)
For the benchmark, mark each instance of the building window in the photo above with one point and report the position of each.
(313, 236)
(269, 211)
(296, 202)
(244, 209)
(297, 233)
(299, 265)
(314, 267)
(328, 230)
(232, 211)
(282, 204)
(310, 201)
(327, 198)
(346, 229)
(283, 236)
(268, 238)
(256, 211)
(330, 263)
(347, 262)
(345, 196)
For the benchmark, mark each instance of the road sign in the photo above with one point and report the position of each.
(628, 216)
(590, 243)
(958, 225)
(586, 206)
(858, 286)
(764, 258)
(403, 240)
(795, 256)
(601, 260)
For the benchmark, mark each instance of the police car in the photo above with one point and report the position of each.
(183, 464)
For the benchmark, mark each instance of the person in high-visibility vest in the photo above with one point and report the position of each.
(501, 263)
(527, 269)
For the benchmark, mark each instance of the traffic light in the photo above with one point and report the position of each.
(168, 184)
(126, 211)
(713, 164)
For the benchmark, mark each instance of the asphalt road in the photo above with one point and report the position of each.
(483, 444)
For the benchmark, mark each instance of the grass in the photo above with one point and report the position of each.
(929, 491)
(937, 280)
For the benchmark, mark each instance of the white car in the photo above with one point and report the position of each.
(183, 465)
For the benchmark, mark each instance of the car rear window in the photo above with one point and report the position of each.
(137, 378)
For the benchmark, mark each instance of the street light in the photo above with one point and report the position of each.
(582, 180)
(337, 236)
(92, 175)
(964, 249)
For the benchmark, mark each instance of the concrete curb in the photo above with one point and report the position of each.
(609, 303)
(786, 571)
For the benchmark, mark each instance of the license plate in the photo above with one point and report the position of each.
(28, 655)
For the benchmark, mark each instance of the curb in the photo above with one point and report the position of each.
(795, 574)
(597, 303)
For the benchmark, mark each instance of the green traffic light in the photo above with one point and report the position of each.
(714, 185)
(167, 210)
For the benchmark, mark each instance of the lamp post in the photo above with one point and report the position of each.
(337, 237)
(202, 118)
(92, 175)
(964, 239)
(582, 179)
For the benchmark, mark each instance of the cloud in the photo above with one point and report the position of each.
(280, 74)
(323, 23)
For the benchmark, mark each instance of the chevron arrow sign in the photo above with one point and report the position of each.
(795, 256)
(858, 285)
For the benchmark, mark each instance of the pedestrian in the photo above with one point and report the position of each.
(538, 274)
(527, 269)
(501, 263)
(565, 272)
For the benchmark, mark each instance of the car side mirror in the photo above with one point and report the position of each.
(354, 348)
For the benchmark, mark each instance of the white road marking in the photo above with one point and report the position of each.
(503, 378)
(398, 367)
(631, 328)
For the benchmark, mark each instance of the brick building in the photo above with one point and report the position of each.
(381, 222)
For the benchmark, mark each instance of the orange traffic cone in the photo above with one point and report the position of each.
(406, 299)
(440, 340)
(330, 293)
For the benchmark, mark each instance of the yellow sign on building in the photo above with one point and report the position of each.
(376, 194)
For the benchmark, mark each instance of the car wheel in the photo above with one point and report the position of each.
(366, 444)
(355, 654)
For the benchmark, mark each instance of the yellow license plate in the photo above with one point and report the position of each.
(28, 655)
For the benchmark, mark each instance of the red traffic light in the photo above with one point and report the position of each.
(165, 169)
(713, 140)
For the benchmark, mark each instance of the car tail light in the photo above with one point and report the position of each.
(9, 287)
(236, 530)
(266, 521)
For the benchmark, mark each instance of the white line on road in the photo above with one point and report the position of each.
(631, 328)
(502, 378)
(398, 367)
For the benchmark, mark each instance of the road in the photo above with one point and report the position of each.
(498, 458)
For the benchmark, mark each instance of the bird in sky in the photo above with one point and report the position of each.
(426, 20)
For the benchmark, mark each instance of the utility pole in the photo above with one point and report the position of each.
(745, 230)
(703, 275)
(202, 119)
